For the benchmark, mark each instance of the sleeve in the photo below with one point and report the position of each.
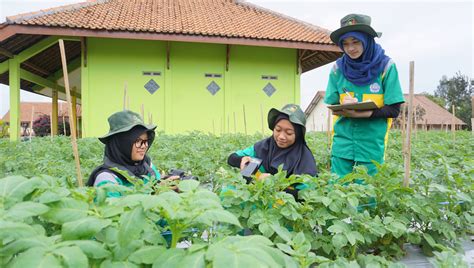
(388, 111)
(234, 160)
(249, 151)
(391, 84)
(332, 95)
(157, 173)
(104, 178)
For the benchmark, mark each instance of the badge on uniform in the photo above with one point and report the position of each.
(374, 88)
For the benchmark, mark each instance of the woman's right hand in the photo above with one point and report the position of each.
(245, 160)
(348, 100)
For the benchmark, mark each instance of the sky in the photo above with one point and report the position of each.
(437, 35)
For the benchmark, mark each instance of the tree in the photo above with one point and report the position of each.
(457, 91)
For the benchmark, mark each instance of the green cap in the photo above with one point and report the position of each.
(354, 22)
(124, 121)
(294, 112)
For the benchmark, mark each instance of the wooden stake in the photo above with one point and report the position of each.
(407, 152)
(143, 112)
(404, 108)
(245, 120)
(228, 123)
(453, 124)
(125, 97)
(64, 126)
(32, 117)
(73, 125)
(51, 125)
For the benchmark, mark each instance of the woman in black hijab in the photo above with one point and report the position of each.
(126, 145)
(286, 146)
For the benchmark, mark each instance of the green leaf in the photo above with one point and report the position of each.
(24, 210)
(339, 241)
(217, 215)
(170, 258)
(265, 229)
(117, 264)
(353, 236)
(326, 200)
(338, 227)
(66, 210)
(194, 260)
(23, 244)
(429, 239)
(146, 255)
(188, 185)
(131, 225)
(353, 201)
(15, 230)
(282, 232)
(92, 249)
(84, 228)
(36, 258)
(286, 248)
(14, 188)
(72, 256)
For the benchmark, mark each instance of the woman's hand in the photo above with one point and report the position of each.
(349, 100)
(245, 160)
(171, 181)
(353, 113)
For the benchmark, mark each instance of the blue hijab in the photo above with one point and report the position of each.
(368, 66)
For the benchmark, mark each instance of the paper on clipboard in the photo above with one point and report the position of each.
(360, 106)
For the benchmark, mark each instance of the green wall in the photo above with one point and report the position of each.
(182, 103)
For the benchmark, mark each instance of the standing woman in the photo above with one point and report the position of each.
(365, 73)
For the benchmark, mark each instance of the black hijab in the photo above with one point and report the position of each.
(296, 159)
(118, 154)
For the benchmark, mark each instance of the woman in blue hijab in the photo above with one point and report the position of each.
(363, 73)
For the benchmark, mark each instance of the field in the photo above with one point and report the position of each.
(46, 221)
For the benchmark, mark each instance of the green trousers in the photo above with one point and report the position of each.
(342, 166)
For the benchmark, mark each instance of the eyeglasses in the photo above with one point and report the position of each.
(139, 143)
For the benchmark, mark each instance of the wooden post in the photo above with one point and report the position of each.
(32, 118)
(54, 118)
(245, 121)
(329, 138)
(64, 126)
(125, 97)
(404, 109)
(73, 117)
(453, 124)
(73, 127)
(50, 126)
(407, 152)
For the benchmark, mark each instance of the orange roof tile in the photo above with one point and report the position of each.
(218, 18)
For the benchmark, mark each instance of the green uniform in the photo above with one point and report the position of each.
(360, 140)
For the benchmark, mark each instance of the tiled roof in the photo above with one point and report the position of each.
(434, 114)
(26, 108)
(212, 18)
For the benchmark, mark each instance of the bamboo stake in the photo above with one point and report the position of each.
(32, 117)
(143, 111)
(404, 108)
(407, 153)
(73, 126)
(245, 120)
(453, 125)
(228, 123)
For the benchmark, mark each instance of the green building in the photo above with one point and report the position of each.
(210, 65)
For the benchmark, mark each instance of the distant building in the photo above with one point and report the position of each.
(429, 115)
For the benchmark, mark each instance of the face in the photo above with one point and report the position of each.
(352, 47)
(139, 147)
(284, 134)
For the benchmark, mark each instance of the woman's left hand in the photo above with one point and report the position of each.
(263, 176)
(353, 113)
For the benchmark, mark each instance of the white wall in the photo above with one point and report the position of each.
(318, 119)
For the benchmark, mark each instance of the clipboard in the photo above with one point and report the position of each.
(359, 106)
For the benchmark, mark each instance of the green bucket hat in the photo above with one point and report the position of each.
(123, 121)
(294, 112)
(354, 22)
